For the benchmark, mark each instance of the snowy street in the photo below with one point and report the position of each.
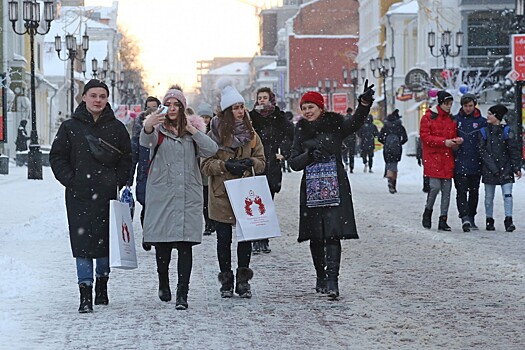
(402, 286)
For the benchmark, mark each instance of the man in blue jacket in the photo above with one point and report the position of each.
(467, 171)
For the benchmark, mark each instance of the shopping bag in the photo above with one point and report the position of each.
(253, 207)
(322, 186)
(122, 252)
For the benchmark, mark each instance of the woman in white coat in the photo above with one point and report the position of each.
(173, 216)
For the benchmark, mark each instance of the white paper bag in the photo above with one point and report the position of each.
(253, 207)
(122, 252)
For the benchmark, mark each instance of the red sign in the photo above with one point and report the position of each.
(340, 102)
(518, 56)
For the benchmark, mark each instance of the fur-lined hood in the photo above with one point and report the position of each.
(197, 122)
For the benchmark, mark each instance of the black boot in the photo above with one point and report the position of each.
(509, 226)
(146, 246)
(256, 247)
(164, 286)
(242, 287)
(319, 259)
(443, 223)
(427, 218)
(265, 246)
(101, 291)
(207, 230)
(490, 224)
(181, 301)
(465, 224)
(226, 280)
(86, 298)
(333, 262)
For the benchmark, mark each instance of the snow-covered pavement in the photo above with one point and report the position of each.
(402, 287)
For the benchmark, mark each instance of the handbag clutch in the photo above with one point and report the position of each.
(103, 151)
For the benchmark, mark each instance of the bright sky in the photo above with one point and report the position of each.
(175, 34)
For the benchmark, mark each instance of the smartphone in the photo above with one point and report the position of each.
(163, 109)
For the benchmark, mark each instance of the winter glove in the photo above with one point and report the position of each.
(316, 155)
(235, 167)
(246, 162)
(367, 97)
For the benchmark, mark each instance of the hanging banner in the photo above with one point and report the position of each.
(340, 102)
(518, 57)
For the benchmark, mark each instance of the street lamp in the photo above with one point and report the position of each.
(329, 86)
(31, 17)
(446, 43)
(94, 68)
(112, 78)
(385, 68)
(71, 46)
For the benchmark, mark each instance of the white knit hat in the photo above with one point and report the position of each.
(229, 94)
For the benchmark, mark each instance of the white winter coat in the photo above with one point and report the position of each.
(174, 187)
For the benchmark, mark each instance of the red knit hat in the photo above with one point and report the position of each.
(313, 97)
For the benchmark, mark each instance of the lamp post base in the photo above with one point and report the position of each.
(34, 163)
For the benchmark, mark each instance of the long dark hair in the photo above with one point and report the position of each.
(227, 125)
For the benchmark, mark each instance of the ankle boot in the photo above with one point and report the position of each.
(427, 218)
(394, 181)
(101, 291)
(443, 223)
(509, 226)
(490, 224)
(181, 300)
(319, 259)
(86, 298)
(226, 280)
(242, 287)
(333, 262)
(164, 286)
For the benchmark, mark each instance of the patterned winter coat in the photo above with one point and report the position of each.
(89, 184)
(174, 186)
(326, 133)
(436, 127)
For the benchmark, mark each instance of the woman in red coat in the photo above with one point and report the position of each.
(439, 139)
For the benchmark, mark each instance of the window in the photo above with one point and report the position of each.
(488, 37)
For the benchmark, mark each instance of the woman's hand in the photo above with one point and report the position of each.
(153, 120)
(367, 97)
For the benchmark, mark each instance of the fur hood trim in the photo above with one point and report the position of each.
(197, 122)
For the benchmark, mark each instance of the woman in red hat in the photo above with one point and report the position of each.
(326, 210)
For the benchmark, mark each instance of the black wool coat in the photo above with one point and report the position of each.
(501, 156)
(89, 184)
(274, 130)
(392, 127)
(327, 134)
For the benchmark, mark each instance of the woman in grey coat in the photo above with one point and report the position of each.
(173, 216)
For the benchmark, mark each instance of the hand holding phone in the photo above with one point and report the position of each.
(163, 109)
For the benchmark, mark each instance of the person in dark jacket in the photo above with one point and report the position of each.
(393, 136)
(21, 141)
(140, 159)
(286, 147)
(348, 151)
(90, 185)
(419, 157)
(317, 145)
(439, 138)
(467, 169)
(273, 128)
(367, 134)
(501, 161)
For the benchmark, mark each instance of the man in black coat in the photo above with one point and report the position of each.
(90, 184)
(274, 129)
(348, 151)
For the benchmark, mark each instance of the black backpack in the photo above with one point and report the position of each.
(393, 145)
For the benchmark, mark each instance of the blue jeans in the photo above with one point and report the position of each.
(85, 269)
(506, 191)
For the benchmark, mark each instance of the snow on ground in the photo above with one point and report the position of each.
(402, 287)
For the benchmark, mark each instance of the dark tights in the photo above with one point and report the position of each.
(184, 262)
(224, 242)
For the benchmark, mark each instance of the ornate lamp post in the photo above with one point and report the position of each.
(446, 43)
(112, 78)
(31, 17)
(385, 68)
(327, 89)
(71, 46)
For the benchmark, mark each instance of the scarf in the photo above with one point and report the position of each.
(266, 110)
(241, 134)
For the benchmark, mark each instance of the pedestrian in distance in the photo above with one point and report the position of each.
(317, 145)
(240, 151)
(140, 159)
(367, 133)
(272, 126)
(393, 136)
(348, 151)
(90, 184)
(467, 169)
(419, 157)
(173, 216)
(206, 113)
(439, 139)
(21, 141)
(501, 162)
(286, 147)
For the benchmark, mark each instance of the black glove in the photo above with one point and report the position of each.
(316, 155)
(235, 167)
(367, 97)
(247, 162)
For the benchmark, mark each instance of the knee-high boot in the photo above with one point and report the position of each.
(333, 262)
(319, 259)
(163, 256)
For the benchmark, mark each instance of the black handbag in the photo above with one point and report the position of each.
(103, 151)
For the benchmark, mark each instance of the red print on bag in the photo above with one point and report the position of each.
(248, 202)
(126, 237)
